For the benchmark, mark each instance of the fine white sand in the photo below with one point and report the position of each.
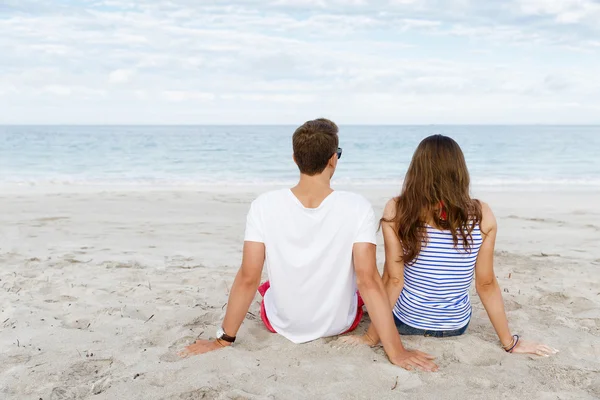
(101, 287)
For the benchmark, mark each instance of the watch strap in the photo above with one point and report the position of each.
(226, 338)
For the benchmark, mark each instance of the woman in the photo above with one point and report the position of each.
(436, 239)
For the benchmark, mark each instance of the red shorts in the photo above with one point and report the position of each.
(262, 289)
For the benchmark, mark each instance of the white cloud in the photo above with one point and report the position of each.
(80, 92)
(140, 94)
(404, 2)
(58, 90)
(564, 11)
(181, 95)
(420, 23)
(273, 61)
(121, 76)
(317, 3)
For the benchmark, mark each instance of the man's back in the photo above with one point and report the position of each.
(316, 258)
(309, 260)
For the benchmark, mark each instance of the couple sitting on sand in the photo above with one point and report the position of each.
(319, 247)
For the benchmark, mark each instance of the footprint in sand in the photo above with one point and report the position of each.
(101, 385)
(68, 393)
(172, 355)
(512, 305)
(237, 394)
(477, 354)
(85, 378)
(594, 389)
(556, 375)
(51, 219)
(259, 333)
(86, 371)
(202, 393)
(122, 265)
(482, 383)
(552, 298)
(203, 321)
(19, 359)
(179, 262)
(72, 259)
(161, 378)
(77, 324)
(134, 313)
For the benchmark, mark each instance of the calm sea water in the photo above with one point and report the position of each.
(497, 156)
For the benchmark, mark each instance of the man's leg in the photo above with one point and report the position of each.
(359, 314)
(262, 289)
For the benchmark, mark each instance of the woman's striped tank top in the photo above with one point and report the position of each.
(436, 283)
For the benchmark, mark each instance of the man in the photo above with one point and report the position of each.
(318, 245)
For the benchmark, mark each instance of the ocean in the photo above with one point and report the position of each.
(498, 156)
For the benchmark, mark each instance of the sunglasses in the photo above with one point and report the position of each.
(339, 152)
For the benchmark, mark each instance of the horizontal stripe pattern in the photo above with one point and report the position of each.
(436, 284)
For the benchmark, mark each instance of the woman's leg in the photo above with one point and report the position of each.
(457, 332)
(407, 330)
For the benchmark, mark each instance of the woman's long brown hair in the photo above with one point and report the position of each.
(436, 187)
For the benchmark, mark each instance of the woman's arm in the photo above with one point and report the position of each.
(393, 270)
(489, 291)
(485, 279)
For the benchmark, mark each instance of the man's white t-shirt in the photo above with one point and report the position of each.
(309, 260)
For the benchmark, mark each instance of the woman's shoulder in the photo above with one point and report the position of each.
(488, 219)
(486, 210)
(389, 212)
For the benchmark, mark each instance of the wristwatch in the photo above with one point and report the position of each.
(221, 335)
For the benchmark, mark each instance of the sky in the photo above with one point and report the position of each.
(287, 61)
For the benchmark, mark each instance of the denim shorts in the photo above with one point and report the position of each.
(409, 330)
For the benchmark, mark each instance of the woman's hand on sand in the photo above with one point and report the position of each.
(202, 346)
(526, 347)
(414, 359)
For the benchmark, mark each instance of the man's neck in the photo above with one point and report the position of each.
(312, 190)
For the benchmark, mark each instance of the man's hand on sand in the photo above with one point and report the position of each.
(414, 359)
(407, 359)
(203, 346)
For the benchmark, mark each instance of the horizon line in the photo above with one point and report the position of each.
(292, 124)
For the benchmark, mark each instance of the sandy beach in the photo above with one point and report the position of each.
(100, 288)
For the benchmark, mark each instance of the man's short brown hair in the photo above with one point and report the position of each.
(315, 143)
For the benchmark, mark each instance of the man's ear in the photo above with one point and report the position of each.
(333, 161)
(294, 158)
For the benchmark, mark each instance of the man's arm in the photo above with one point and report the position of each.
(376, 299)
(244, 287)
(393, 270)
(242, 293)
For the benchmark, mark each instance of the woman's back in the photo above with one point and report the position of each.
(437, 239)
(435, 295)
